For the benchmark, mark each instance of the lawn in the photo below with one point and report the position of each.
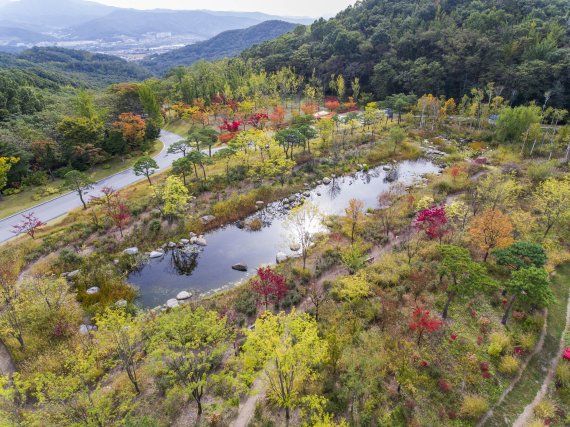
(33, 196)
(525, 390)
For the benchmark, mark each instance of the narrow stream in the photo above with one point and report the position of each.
(208, 269)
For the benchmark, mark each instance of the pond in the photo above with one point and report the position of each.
(201, 270)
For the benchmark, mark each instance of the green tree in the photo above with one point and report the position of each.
(289, 139)
(530, 284)
(5, 166)
(521, 255)
(396, 136)
(187, 346)
(464, 276)
(183, 147)
(78, 182)
(145, 166)
(75, 132)
(288, 349)
(199, 159)
(514, 123)
(226, 154)
(182, 167)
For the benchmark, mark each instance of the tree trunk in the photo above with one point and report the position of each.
(505, 318)
(149, 181)
(446, 307)
(81, 198)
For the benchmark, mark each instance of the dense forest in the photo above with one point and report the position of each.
(442, 47)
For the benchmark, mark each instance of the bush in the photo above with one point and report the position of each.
(563, 374)
(36, 178)
(527, 341)
(539, 171)
(545, 410)
(473, 406)
(499, 342)
(246, 303)
(534, 323)
(509, 365)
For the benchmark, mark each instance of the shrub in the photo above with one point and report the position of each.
(539, 171)
(563, 374)
(527, 341)
(509, 365)
(36, 178)
(545, 410)
(246, 303)
(254, 224)
(499, 342)
(534, 323)
(473, 406)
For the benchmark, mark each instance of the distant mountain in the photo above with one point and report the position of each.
(50, 14)
(224, 45)
(14, 35)
(78, 68)
(133, 23)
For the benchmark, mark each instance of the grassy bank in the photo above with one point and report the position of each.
(35, 195)
(525, 390)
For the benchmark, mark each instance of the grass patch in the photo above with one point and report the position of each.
(28, 198)
(525, 390)
(179, 127)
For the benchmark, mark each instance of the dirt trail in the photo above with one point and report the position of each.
(526, 417)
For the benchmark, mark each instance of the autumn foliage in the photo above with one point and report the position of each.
(269, 285)
(432, 221)
(29, 225)
(423, 322)
(132, 128)
(491, 230)
(230, 126)
(310, 108)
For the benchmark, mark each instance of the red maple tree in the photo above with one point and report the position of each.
(423, 322)
(433, 221)
(257, 120)
(29, 225)
(231, 127)
(269, 285)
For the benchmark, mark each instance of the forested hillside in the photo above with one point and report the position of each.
(224, 45)
(79, 68)
(442, 47)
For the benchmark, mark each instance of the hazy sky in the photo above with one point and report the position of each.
(313, 8)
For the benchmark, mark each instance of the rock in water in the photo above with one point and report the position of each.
(326, 181)
(207, 219)
(200, 241)
(295, 247)
(156, 254)
(239, 267)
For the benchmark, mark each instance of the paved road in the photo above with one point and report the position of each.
(63, 204)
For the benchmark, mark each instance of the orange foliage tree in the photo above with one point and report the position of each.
(277, 116)
(310, 108)
(491, 230)
(132, 128)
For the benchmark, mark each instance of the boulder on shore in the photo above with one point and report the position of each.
(131, 251)
(156, 254)
(326, 180)
(72, 274)
(239, 267)
(281, 257)
(207, 219)
(184, 295)
(172, 303)
(295, 247)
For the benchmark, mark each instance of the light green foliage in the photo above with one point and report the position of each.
(288, 349)
(120, 334)
(509, 365)
(546, 409)
(175, 196)
(187, 346)
(563, 374)
(473, 406)
(5, 166)
(499, 343)
(78, 182)
(513, 123)
(552, 201)
(352, 288)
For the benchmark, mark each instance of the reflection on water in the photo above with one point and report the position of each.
(209, 268)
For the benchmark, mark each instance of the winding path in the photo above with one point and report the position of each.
(65, 203)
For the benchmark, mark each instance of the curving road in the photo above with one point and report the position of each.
(61, 205)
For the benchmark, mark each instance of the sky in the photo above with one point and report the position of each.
(312, 8)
